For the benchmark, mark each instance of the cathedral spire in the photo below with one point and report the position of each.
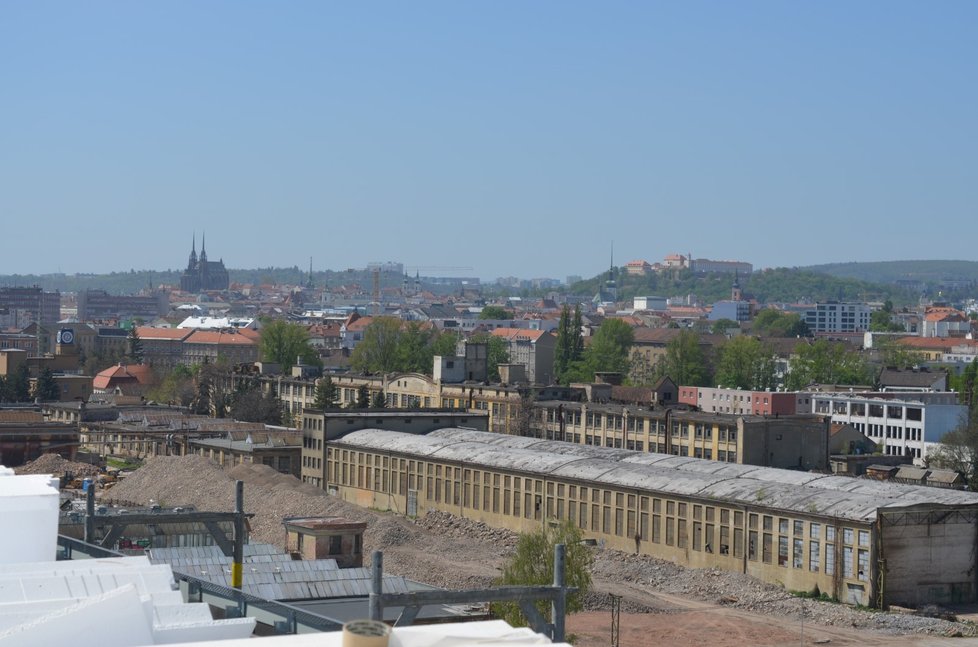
(193, 251)
(203, 251)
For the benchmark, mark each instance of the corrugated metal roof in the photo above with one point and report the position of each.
(274, 575)
(802, 492)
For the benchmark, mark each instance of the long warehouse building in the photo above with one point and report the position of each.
(862, 541)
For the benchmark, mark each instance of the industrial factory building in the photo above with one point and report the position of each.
(862, 541)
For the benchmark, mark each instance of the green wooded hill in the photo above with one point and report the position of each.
(779, 285)
(934, 272)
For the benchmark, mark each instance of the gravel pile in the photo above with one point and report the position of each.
(744, 592)
(456, 559)
(57, 466)
(444, 550)
(448, 525)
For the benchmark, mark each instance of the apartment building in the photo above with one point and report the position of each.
(99, 304)
(532, 348)
(745, 403)
(23, 305)
(903, 424)
(794, 442)
(837, 317)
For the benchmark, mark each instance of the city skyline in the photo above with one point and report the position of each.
(518, 140)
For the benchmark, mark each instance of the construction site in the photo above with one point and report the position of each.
(678, 605)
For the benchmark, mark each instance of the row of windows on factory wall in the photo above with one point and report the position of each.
(613, 422)
(728, 455)
(799, 544)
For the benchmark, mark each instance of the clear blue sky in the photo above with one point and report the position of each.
(519, 138)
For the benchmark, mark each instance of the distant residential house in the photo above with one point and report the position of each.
(675, 261)
(351, 331)
(324, 336)
(163, 347)
(638, 268)
(836, 317)
(124, 379)
(919, 379)
(210, 346)
(649, 347)
(650, 303)
(532, 348)
(733, 310)
(945, 322)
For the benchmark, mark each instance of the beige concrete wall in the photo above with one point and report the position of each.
(788, 548)
(930, 557)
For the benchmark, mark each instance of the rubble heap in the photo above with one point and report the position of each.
(57, 466)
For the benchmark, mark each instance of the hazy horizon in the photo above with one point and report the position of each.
(519, 140)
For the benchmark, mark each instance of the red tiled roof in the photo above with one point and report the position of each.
(935, 343)
(122, 373)
(944, 314)
(514, 333)
(360, 323)
(147, 332)
(254, 335)
(219, 337)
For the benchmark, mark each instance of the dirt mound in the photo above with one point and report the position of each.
(57, 466)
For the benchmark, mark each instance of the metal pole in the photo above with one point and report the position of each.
(615, 620)
(559, 604)
(377, 587)
(239, 519)
(90, 514)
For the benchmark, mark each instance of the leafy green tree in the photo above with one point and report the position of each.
(577, 352)
(495, 312)
(563, 346)
(533, 564)
(774, 323)
(684, 361)
(824, 362)
(892, 353)
(379, 401)
(444, 345)
(46, 389)
(210, 396)
(746, 363)
(882, 321)
(327, 394)
(135, 344)
(378, 351)
(363, 397)
(19, 385)
(250, 404)
(958, 451)
(721, 326)
(176, 387)
(570, 343)
(610, 348)
(415, 348)
(283, 342)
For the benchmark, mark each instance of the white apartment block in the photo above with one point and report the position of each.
(838, 317)
(909, 424)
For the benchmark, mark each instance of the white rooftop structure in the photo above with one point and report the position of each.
(489, 633)
(218, 323)
(130, 602)
(116, 602)
(29, 504)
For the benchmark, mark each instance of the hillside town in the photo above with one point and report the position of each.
(784, 442)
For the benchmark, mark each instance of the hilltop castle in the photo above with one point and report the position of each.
(202, 274)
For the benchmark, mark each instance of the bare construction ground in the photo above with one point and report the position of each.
(662, 603)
